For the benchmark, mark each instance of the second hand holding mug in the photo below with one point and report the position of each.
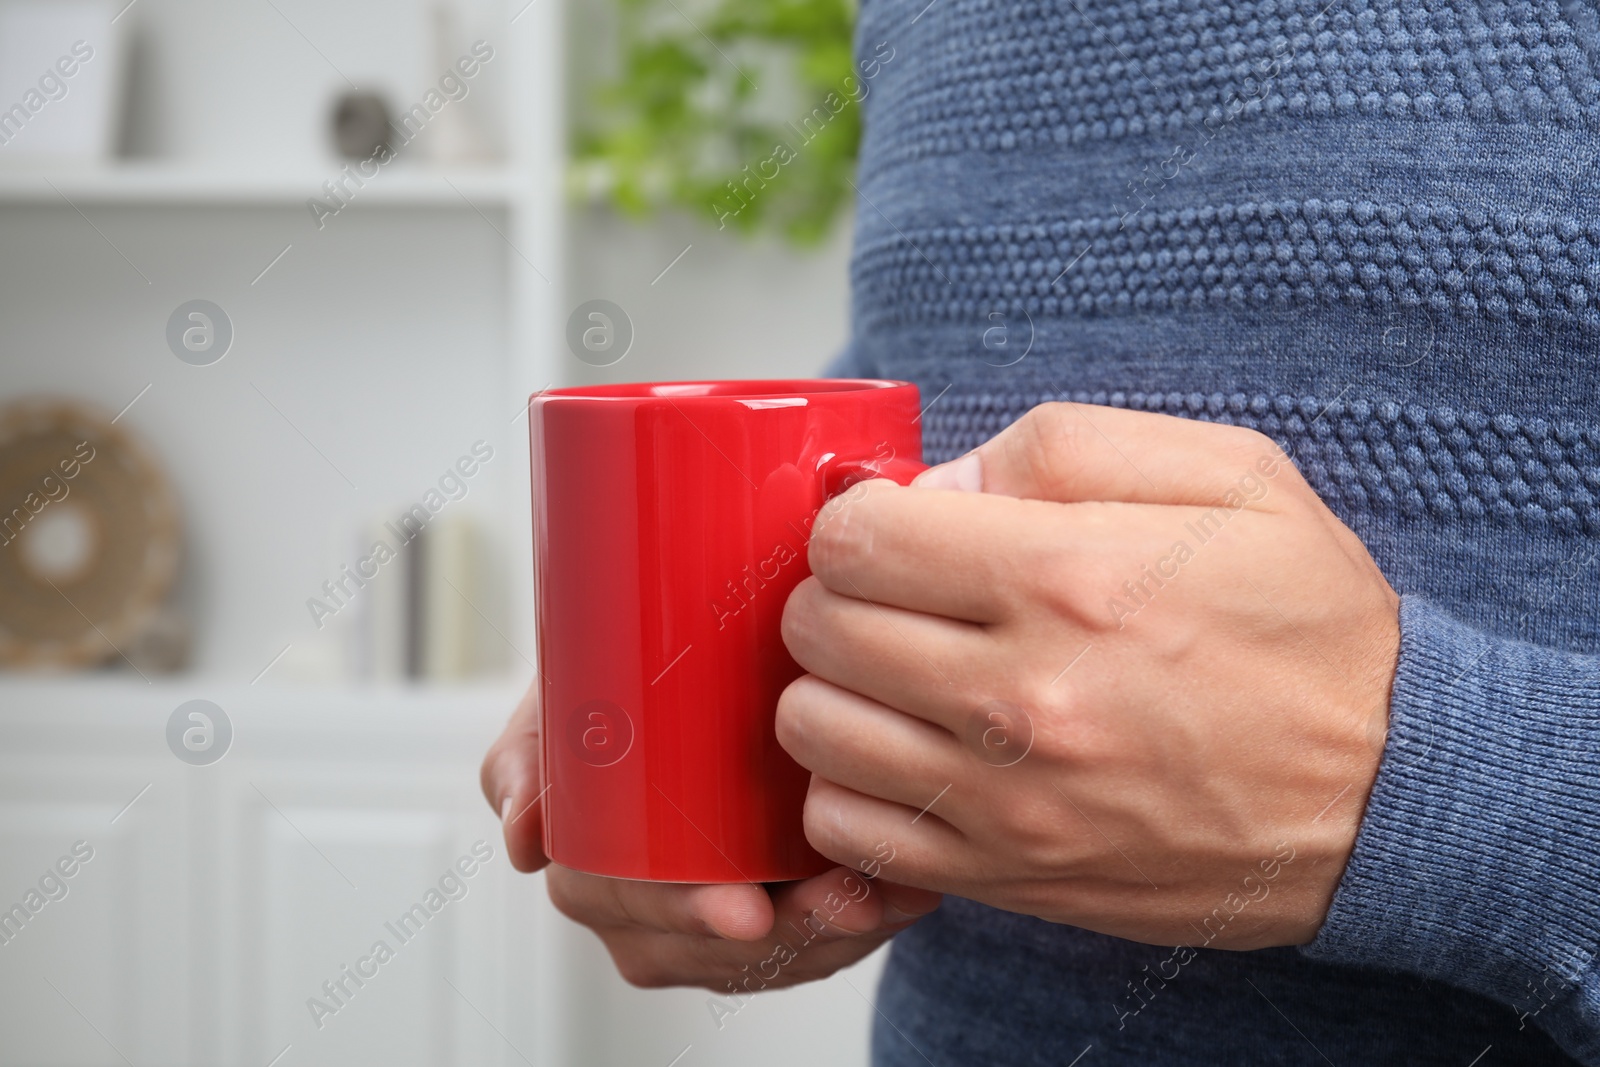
(670, 524)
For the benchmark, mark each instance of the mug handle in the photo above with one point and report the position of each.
(839, 473)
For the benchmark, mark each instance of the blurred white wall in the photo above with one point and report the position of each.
(732, 307)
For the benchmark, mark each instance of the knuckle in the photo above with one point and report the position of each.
(1050, 442)
(1251, 447)
(1250, 441)
(1000, 732)
(1285, 471)
(1050, 417)
(823, 831)
(830, 537)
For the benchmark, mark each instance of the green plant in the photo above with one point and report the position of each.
(684, 123)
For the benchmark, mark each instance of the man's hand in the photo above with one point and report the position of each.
(1113, 669)
(725, 938)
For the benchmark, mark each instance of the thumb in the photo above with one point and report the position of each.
(510, 780)
(1079, 452)
(521, 808)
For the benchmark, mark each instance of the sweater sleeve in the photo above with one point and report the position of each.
(1478, 859)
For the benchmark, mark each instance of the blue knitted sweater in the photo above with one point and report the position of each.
(1370, 230)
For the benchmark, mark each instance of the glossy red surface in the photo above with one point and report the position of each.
(670, 524)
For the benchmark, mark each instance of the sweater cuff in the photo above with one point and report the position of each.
(1478, 858)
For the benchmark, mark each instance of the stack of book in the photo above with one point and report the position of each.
(423, 619)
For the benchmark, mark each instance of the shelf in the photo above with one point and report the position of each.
(42, 694)
(168, 184)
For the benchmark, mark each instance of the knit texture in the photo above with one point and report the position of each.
(1265, 252)
(1383, 457)
(1368, 230)
(1477, 861)
(1030, 72)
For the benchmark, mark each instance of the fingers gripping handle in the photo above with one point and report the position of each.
(840, 473)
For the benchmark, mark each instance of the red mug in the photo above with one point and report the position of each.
(670, 523)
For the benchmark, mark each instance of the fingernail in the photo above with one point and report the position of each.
(893, 915)
(835, 932)
(964, 474)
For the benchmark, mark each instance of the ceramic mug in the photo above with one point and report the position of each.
(670, 524)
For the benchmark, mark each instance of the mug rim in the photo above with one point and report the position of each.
(716, 389)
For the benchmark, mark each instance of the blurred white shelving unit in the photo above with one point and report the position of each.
(131, 184)
(371, 348)
(369, 354)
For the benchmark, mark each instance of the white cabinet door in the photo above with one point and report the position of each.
(233, 913)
